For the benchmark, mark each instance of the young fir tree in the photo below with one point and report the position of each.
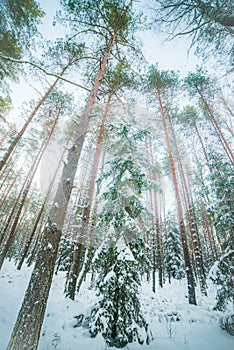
(117, 315)
(174, 260)
(222, 274)
(221, 211)
(221, 192)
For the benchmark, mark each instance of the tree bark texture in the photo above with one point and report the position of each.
(79, 248)
(189, 272)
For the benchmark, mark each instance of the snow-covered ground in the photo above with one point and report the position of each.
(193, 328)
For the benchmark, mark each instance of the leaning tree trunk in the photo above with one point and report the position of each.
(203, 148)
(79, 251)
(10, 217)
(13, 231)
(224, 142)
(39, 216)
(7, 134)
(12, 185)
(4, 175)
(32, 115)
(189, 272)
(27, 329)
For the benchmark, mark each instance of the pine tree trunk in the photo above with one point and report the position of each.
(4, 174)
(203, 147)
(12, 232)
(73, 234)
(153, 225)
(154, 263)
(75, 268)
(79, 250)
(160, 255)
(11, 186)
(157, 227)
(34, 301)
(210, 234)
(29, 241)
(191, 219)
(39, 216)
(197, 250)
(26, 331)
(90, 251)
(21, 132)
(16, 203)
(226, 146)
(8, 133)
(189, 272)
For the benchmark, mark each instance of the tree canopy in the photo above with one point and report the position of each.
(210, 24)
(18, 24)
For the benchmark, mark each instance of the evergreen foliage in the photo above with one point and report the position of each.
(227, 324)
(222, 274)
(173, 253)
(117, 315)
(123, 182)
(221, 190)
(209, 24)
(18, 24)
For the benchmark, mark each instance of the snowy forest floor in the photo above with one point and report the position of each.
(193, 328)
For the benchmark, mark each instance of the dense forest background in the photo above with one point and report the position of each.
(116, 168)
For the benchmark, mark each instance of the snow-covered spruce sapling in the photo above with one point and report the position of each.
(173, 253)
(227, 323)
(141, 252)
(117, 315)
(220, 189)
(222, 274)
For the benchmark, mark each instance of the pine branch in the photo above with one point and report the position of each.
(43, 70)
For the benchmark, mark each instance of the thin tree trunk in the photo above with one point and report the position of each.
(203, 147)
(13, 231)
(189, 272)
(4, 174)
(12, 212)
(39, 216)
(154, 228)
(226, 146)
(191, 219)
(210, 234)
(11, 186)
(6, 134)
(198, 251)
(157, 228)
(76, 209)
(21, 132)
